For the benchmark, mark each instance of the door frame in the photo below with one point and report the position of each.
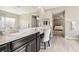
(63, 18)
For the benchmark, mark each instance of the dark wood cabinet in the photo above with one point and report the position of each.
(29, 43)
(31, 47)
(18, 43)
(5, 48)
(28, 47)
(21, 49)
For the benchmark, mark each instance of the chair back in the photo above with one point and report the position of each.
(46, 35)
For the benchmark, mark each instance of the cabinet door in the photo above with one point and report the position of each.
(21, 49)
(31, 47)
(3, 48)
(38, 42)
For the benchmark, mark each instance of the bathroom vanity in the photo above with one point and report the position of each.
(27, 41)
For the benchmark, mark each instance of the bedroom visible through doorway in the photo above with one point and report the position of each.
(59, 24)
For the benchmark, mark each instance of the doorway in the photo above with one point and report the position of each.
(59, 24)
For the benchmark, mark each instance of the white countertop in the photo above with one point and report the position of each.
(14, 36)
(22, 33)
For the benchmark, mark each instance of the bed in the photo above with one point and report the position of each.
(58, 28)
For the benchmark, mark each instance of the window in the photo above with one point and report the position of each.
(7, 23)
(10, 22)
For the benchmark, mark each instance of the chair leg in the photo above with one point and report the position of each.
(48, 43)
(44, 45)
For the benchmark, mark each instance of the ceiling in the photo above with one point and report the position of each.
(24, 9)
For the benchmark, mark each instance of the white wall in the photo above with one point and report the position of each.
(71, 14)
(26, 19)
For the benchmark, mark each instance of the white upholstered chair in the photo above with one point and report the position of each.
(46, 38)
